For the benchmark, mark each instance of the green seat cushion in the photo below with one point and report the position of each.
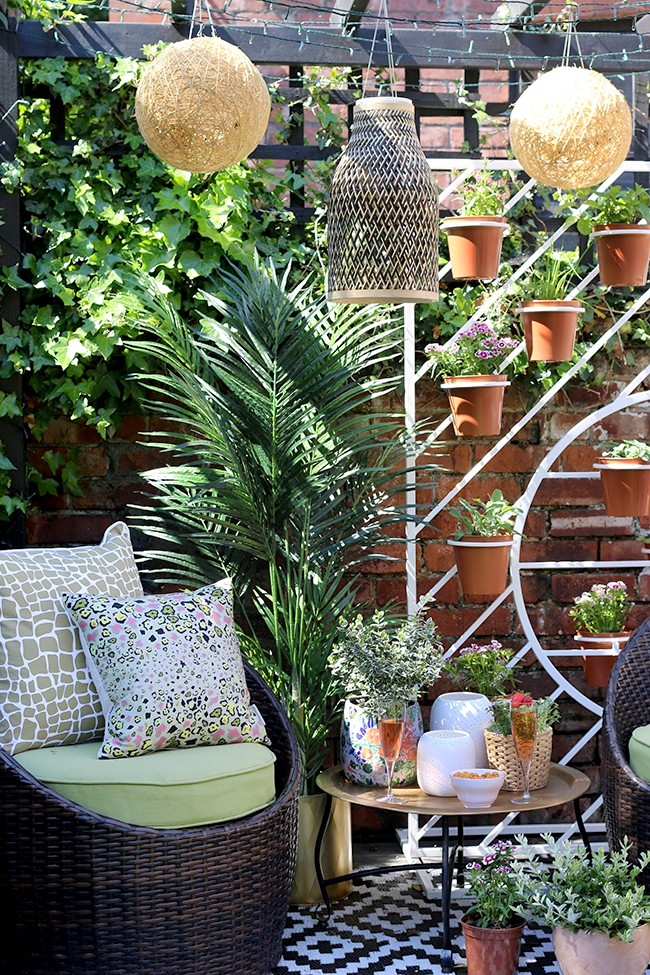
(640, 752)
(173, 788)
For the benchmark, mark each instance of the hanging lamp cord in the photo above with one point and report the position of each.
(383, 9)
(569, 14)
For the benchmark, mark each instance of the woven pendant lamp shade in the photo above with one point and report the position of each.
(202, 105)
(382, 224)
(571, 129)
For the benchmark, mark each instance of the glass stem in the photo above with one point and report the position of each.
(389, 770)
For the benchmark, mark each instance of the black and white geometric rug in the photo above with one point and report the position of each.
(387, 927)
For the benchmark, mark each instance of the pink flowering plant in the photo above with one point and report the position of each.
(482, 669)
(475, 350)
(494, 884)
(602, 609)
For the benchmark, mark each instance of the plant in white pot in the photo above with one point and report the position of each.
(476, 234)
(597, 909)
(625, 478)
(482, 543)
(378, 661)
(600, 614)
(470, 364)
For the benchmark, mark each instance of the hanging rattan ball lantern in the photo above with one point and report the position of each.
(382, 223)
(202, 105)
(571, 129)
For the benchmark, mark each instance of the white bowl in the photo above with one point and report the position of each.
(477, 793)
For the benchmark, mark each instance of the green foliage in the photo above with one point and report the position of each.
(548, 713)
(492, 517)
(615, 205)
(580, 893)
(484, 194)
(383, 660)
(551, 277)
(626, 449)
(602, 609)
(482, 669)
(286, 478)
(476, 350)
(493, 883)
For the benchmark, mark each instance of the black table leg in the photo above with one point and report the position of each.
(584, 835)
(448, 858)
(319, 843)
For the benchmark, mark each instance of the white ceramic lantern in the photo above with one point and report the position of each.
(464, 711)
(439, 754)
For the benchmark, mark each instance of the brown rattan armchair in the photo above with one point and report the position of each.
(626, 797)
(82, 894)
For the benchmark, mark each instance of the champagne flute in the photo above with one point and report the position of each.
(523, 721)
(391, 731)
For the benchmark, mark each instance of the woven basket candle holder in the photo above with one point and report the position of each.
(572, 128)
(502, 756)
(202, 105)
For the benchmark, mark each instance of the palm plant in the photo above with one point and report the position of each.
(288, 475)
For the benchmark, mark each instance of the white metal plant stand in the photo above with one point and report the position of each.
(411, 837)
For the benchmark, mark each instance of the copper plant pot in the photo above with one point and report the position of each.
(550, 329)
(476, 404)
(475, 246)
(598, 669)
(623, 253)
(626, 486)
(482, 563)
(491, 951)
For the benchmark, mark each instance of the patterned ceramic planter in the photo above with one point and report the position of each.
(360, 754)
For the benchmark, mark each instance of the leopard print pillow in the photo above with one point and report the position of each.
(171, 670)
(47, 696)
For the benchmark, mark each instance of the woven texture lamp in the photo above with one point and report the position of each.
(382, 224)
(202, 105)
(571, 129)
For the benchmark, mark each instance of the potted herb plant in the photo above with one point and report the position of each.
(468, 364)
(549, 319)
(476, 234)
(480, 672)
(622, 242)
(598, 910)
(493, 926)
(500, 746)
(625, 477)
(482, 543)
(601, 610)
(378, 661)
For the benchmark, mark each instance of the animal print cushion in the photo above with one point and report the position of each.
(171, 669)
(46, 693)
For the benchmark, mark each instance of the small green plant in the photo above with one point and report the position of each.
(626, 449)
(483, 195)
(382, 659)
(548, 713)
(551, 278)
(616, 205)
(495, 885)
(602, 609)
(496, 516)
(583, 893)
(476, 350)
(483, 670)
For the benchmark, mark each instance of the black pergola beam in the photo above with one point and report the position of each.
(282, 44)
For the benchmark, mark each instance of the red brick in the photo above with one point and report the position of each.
(634, 424)
(396, 554)
(580, 395)
(481, 487)
(549, 620)
(438, 557)
(453, 457)
(621, 550)
(580, 457)
(569, 491)
(96, 494)
(559, 551)
(644, 585)
(453, 622)
(535, 526)
(63, 431)
(67, 529)
(566, 586)
(391, 590)
(534, 587)
(129, 492)
(131, 428)
(637, 615)
(93, 462)
(562, 423)
(513, 458)
(135, 460)
(52, 502)
(585, 522)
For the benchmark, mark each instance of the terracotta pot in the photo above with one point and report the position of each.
(475, 246)
(550, 329)
(623, 254)
(476, 404)
(482, 563)
(336, 851)
(492, 951)
(626, 486)
(598, 669)
(595, 953)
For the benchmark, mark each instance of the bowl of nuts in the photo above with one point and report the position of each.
(477, 788)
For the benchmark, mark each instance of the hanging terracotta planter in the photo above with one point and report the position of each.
(623, 253)
(491, 951)
(626, 486)
(550, 329)
(482, 563)
(475, 246)
(595, 953)
(476, 404)
(598, 669)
